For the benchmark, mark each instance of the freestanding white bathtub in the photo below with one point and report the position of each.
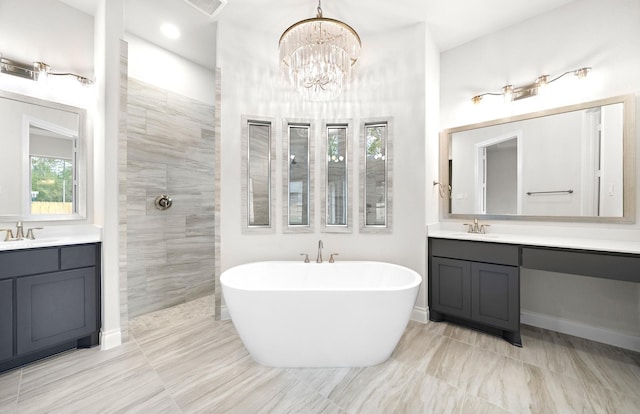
(343, 314)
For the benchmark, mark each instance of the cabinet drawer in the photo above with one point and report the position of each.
(28, 262)
(486, 252)
(603, 265)
(73, 257)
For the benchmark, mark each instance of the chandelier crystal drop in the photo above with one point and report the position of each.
(318, 56)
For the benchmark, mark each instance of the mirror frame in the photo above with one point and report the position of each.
(388, 226)
(629, 163)
(81, 168)
(244, 162)
(348, 125)
(286, 172)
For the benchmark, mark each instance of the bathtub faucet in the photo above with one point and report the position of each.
(320, 246)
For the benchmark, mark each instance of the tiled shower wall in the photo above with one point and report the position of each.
(170, 150)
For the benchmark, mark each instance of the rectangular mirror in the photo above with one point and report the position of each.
(574, 163)
(336, 214)
(42, 162)
(298, 160)
(257, 174)
(376, 176)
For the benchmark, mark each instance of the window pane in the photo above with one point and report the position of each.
(51, 186)
(336, 176)
(376, 175)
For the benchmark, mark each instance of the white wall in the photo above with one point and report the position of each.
(390, 82)
(605, 36)
(152, 64)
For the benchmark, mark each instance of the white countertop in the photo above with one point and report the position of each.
(55, 236)
(625, 243)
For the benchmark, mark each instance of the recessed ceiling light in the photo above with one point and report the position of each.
(170, 30)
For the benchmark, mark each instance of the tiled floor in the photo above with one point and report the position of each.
(182, 361)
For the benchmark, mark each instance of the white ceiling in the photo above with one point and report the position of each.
(452, 22)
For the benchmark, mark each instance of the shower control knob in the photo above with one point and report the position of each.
(163, 202)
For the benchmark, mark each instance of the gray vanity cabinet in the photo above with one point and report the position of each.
(450, 286)
(54, 308)
(49, 301)
(6, 319)
(476, 284)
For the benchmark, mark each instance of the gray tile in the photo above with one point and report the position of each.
(9, 386)
(373, 389)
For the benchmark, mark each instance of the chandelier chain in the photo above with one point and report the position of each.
(319, 8)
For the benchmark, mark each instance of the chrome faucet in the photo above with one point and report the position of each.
(320, 246)
(476, 227)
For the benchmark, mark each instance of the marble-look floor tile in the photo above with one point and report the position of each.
(183, 361)
(202, 308)
(446, 360)
(323, 380)
(427, 394)
(9, 406)
(608, 401)
(553, 392)
(376, 389)
(497, 379)
(9, 387)
(125, 383)
(475, 405)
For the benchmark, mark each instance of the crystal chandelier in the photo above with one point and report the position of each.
(318, 55)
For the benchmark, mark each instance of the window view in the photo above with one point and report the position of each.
(337, 186)
(376, 174)
(52, 170)
(51, 186)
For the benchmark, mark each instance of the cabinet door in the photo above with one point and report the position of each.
(495, 295)
(451, 286)
(6, 319)
(55, 308)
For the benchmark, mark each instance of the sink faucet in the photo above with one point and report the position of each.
(320, 246)
(476, 227)
(20, 233)
(19, 230)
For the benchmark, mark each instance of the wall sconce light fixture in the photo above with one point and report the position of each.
(515, 93)
(35, 71)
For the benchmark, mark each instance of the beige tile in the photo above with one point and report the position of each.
(323, 380)
(475, 405)
(608, 401)
(447, 359)
(123, 383)
(9, 386)
(181, 360)
(373, 389)
(9, 406)
(499, 380)
(553, 392)
(426, 394)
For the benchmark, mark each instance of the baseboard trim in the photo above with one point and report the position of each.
(110, 339)
(420, 314)
(581, 330)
